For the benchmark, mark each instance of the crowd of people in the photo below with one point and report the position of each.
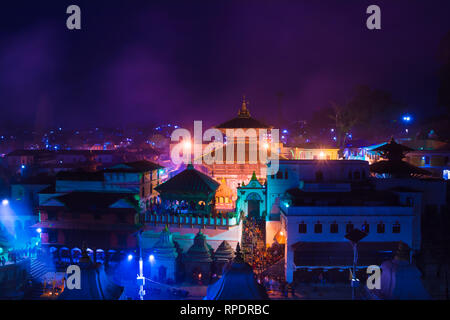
(15, 255)
(256, 253)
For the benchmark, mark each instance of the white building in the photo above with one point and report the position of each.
(312, 204)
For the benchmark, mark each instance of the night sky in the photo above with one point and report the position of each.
(143, 62)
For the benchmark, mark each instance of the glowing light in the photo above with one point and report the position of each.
(5, 202)
(38, 230)
(187, 144)
(281, 233)
(151, 258)
(130, 257)
(407, 118)
(322, 154)
(22, 166)
(266, 145)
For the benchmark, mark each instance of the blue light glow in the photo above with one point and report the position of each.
(151, 258)
(38, 230)
(5, 202)
(130, 257)
(407, 118)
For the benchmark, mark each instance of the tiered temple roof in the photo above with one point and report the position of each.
(394, 165)
(189, 181)
(243, 120)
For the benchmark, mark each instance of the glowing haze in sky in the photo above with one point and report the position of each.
(148, 62)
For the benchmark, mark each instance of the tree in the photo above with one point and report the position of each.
(345, 117)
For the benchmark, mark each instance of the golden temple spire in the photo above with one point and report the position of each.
(243, 112)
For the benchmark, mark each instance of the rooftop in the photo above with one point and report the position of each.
(243, 120)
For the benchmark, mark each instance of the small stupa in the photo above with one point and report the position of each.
(223, 255)
(164, 257)
(198, 260)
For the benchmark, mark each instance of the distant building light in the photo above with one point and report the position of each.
(322, 154)
(285, 131)
(130, 257)
(22, 166)
(407, 118)
(38, 230)
(151, 258)
(5, 202)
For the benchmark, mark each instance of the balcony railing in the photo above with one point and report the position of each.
(189, 220)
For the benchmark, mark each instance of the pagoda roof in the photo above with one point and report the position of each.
(237, 283)
(244, 123)
(243, 120)
(393, 150)
(398, 167)
(189, 181)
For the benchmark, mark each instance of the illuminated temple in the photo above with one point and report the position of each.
(241, 170)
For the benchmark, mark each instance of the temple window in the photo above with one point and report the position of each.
(349, 227)
(334, 228)
(302, 228)
(279, 175)
(286, 174)
(366, 227)
(396, 228)
(318, 228)
(380, 227)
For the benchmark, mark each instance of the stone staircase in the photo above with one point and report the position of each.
(37, 270)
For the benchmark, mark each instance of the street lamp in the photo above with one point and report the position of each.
(407, 118)
(354, 236)
(5, 202)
